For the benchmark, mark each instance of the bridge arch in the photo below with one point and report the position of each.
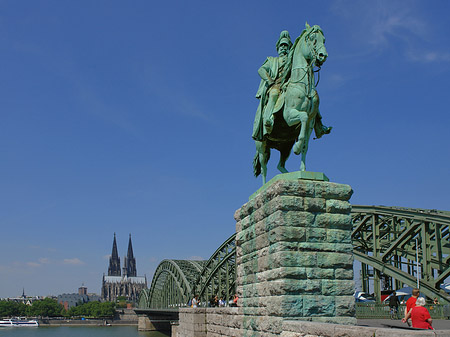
(386, 240)
(172, 284)
(218, 274)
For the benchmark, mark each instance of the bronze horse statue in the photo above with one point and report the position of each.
(296, 113)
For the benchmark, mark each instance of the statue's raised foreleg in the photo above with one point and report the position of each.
(293, 117)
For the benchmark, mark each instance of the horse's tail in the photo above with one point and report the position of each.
(256, 165)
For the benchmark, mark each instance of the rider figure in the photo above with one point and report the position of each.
(272, 82)
(269, 89)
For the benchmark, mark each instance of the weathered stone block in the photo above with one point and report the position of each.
(329, 190)
(285, 203)
(338, 287)
(343, 274)
(317, 305)
(298, 218)
(339, 236)
(294, 234)
(324, 247)
(309, 328)
(293, 259)
(338, 206)
(333, 221)
(319, 273)
(334, 260)
(315, 234)
(345, 305)
(284, 306)
(298, 273)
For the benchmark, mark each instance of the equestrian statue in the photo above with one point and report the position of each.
(288, 109)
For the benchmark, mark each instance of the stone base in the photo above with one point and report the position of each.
(305, 175)
(221, 322)
(294, 254)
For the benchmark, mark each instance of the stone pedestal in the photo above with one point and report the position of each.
(294, 254)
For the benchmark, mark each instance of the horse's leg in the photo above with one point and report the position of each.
(310, 127)
(264, 155)
(285, 151)
(293, 117)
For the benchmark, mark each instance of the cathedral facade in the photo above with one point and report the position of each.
(123, 282)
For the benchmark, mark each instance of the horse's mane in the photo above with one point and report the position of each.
(288, 66)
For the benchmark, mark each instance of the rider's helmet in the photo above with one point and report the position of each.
(284, 38)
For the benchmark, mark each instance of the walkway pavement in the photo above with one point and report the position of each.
(438, 324)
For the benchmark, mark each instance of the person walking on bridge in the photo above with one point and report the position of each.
(393, 305)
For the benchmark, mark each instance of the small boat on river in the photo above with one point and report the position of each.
(18, 322)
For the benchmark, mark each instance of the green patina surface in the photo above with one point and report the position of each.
(305, 175)
(288, 110)
(294, 249)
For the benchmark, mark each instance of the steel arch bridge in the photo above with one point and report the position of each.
(176, 281)
(390, 243)
(172, 284)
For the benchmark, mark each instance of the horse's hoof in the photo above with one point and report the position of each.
(297, 149)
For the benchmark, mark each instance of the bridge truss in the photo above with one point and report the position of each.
(399, 245)
(172, 284)
(218, 275)
(394, 246)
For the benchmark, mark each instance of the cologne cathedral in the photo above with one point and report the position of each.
(122, 282)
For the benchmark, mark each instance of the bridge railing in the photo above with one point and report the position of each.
(382, 311)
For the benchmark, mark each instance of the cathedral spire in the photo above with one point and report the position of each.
(114, 260)
(130, 261)
(130, 249)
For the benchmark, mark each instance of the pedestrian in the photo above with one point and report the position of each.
(221, 302)
(393, 304)
(411, 303)
(195, 301)
(420, 316)
(235, 300)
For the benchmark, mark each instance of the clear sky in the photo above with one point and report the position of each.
(136, 117)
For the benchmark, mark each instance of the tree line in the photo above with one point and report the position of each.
(51, 308)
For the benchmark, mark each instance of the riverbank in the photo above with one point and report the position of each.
(86, 322)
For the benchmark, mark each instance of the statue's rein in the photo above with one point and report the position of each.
(314, 54)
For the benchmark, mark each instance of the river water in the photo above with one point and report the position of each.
(79, 331)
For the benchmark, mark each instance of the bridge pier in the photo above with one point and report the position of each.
(156, 320)
(294, 253)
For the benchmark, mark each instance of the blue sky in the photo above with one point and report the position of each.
(136, 117)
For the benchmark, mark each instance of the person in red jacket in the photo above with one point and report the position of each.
(411, 303)
(420, 316)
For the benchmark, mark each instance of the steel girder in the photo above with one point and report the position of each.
(176, 281)
(219, 273)
(389, 238)
(171, 285)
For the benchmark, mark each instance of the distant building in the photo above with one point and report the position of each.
(82, 290)
(74, 299)
(28, 300)
(125, 283)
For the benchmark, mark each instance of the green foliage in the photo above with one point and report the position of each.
(121, 299)
(9, 308)
(93, 309)
(46, 308)
(121, 304)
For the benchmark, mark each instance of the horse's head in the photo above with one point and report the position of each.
(314, 45)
